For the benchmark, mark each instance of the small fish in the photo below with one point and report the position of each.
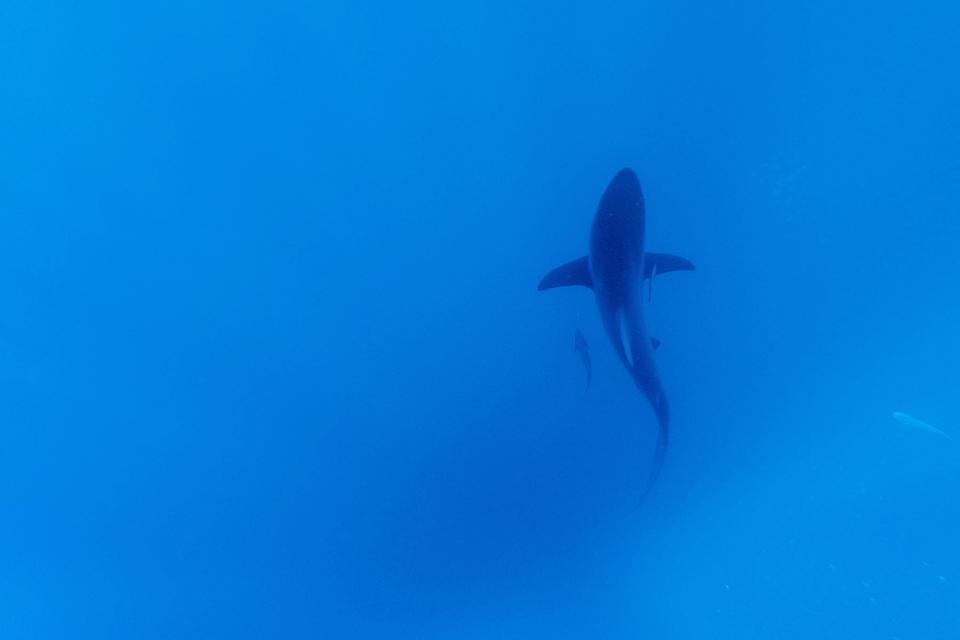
(913, 423)
(583, 349)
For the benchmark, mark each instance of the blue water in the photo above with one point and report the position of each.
(274, 364)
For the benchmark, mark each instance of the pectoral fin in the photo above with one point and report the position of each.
(657, 263)
(571, 274)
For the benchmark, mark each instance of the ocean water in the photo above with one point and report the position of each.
(274, 364)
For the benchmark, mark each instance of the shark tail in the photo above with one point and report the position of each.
(662, 410)
(659, 455)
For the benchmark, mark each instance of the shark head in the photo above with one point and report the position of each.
(617, 236)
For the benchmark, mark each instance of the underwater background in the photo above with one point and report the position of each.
(274, 364)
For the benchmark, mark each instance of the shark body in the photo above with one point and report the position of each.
(615, 269)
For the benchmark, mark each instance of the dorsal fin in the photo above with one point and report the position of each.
(571, 274)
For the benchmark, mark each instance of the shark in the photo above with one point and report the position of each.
(615, 269)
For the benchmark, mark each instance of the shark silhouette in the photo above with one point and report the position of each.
(615, 270)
